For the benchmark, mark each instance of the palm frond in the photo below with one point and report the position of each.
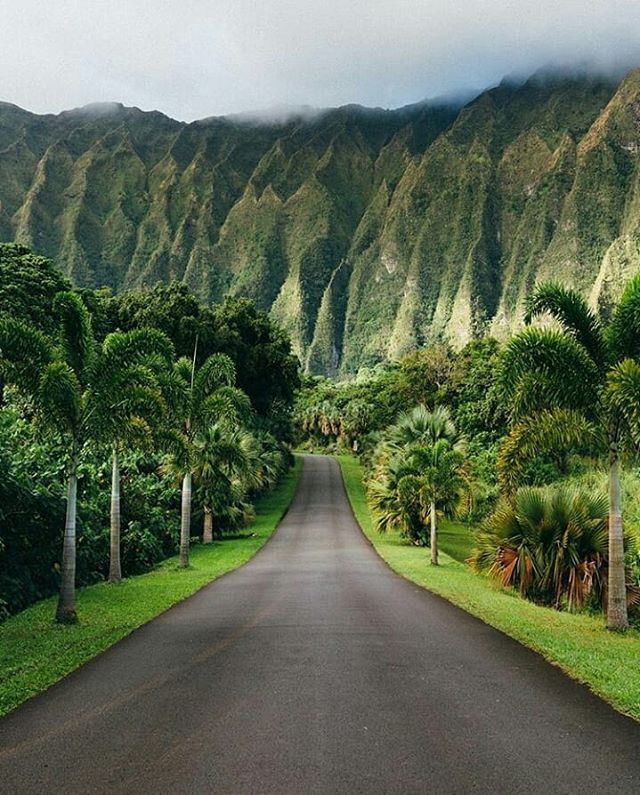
(76, 334)
(623, 333)
(623, 392)
(24, 353)
(573, 313)
(60, 397)
(556, 431)
(553, 361)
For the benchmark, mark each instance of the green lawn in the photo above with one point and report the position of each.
(579, 644)
(456, 539)
(35, 652)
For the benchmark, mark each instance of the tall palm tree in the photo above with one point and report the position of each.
(577, 384)
(200, 397)
(78, 390)
(137, 361)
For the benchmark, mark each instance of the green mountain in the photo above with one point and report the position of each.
(365, 232)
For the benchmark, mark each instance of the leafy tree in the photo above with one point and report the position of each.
(475, 395)
(170, 308)
(425, 375)
(577, 384)
(28, 285)
(266, 369)
(78, 391)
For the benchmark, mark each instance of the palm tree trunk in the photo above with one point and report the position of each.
(616, 591)
(434, 535)
(185, 524)
(115, 570)
(66, 610)
(207, 532)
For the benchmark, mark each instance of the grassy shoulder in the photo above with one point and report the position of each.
(577, 643)
(35, 653)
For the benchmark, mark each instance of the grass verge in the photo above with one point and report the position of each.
(35, 653)
(577, 643)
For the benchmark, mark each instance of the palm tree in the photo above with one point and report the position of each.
(136, 360)
(423, 427)
(419, 472)
(220, 454)
(79, 391)
(199, 397)
(550, 543)
(393, 492)
(441, 478)
(577, 385)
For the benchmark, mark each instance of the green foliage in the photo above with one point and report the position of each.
(417, 467)
(28, 284)
(365, 233)
(551, 544)
(75, 397)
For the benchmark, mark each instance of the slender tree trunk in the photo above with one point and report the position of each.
(66, 610)
(185, 524)
(434, 535)
(616, 592)
(115, 570)
(207, 532)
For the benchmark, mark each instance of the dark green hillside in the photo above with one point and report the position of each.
(365, 232)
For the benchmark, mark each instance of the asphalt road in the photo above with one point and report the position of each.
(315, 669)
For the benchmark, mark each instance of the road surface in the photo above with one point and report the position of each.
(315, 669)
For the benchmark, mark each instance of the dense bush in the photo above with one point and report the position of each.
(550, 544)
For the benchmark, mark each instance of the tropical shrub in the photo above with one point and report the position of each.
(551, 544)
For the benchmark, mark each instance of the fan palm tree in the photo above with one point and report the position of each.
(79, 390)
(420, 471)
(220, 454)
(199, 397)
(577, 385)
(550, 543)
(423, 428)
(394, 495)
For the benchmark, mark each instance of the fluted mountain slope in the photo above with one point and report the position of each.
(364, 232)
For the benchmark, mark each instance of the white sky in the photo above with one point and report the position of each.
(196, 58)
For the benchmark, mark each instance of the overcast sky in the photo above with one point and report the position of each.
(196, 58)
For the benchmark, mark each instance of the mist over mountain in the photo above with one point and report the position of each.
(365, 232)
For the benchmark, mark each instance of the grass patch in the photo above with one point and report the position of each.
(577, 643)
(455, 539)
(35, 653)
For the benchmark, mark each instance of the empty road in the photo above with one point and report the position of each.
(315, 669)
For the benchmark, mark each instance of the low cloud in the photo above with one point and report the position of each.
(199, 58)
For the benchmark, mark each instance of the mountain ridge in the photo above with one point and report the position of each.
(365, 232)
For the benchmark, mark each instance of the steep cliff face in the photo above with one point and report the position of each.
(364, 232)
